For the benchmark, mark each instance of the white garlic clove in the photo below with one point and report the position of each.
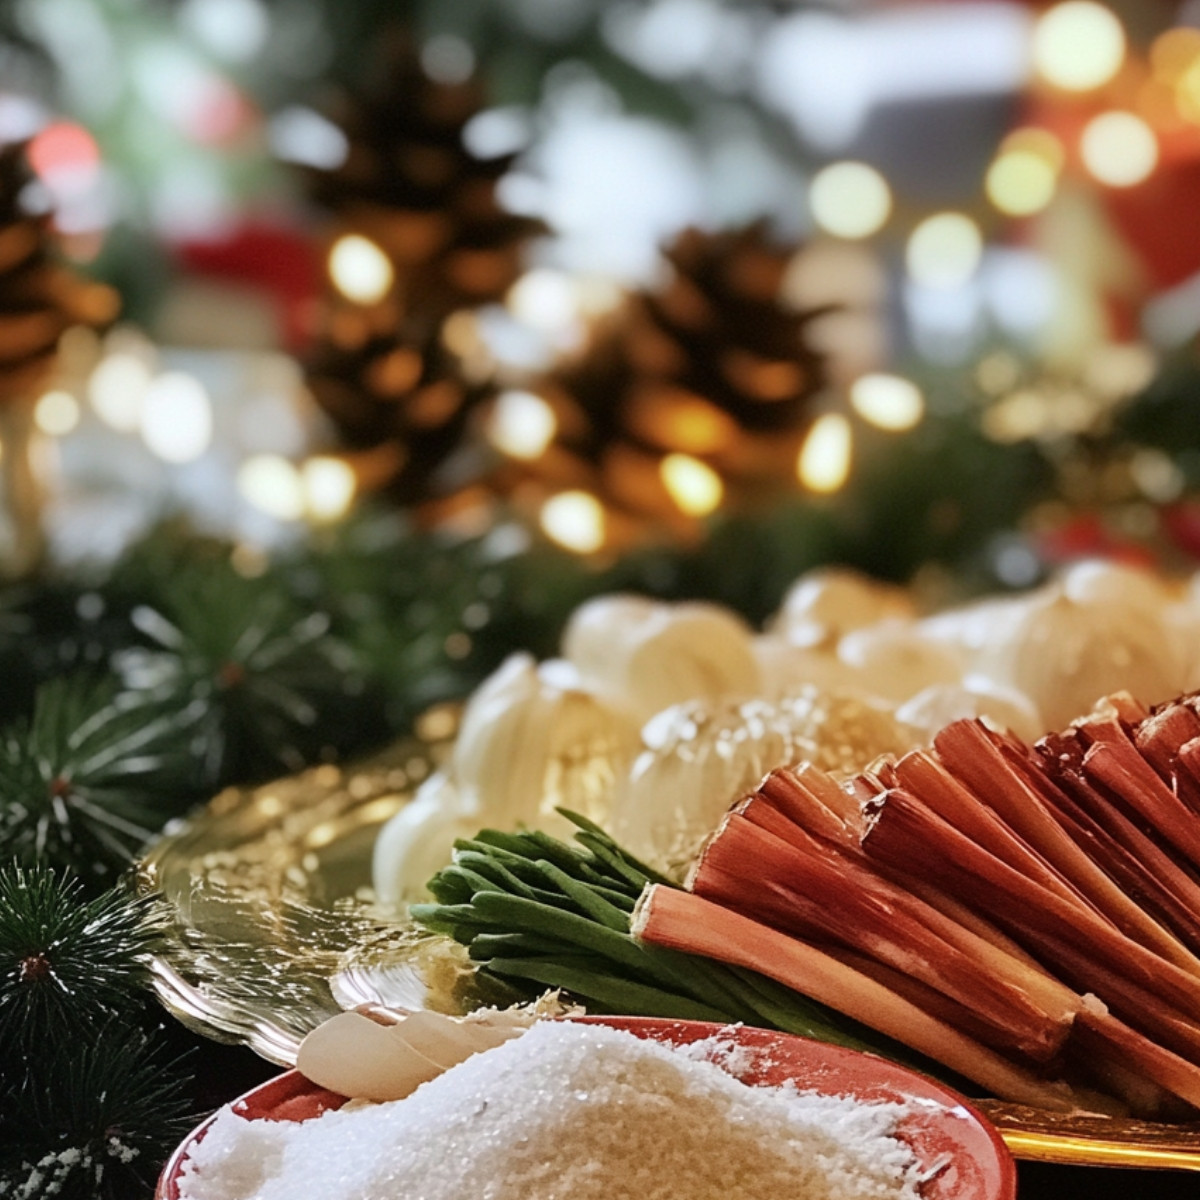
(358, 1056)
(1065, 655)
(935, 707)
(702, 756)
(787, 668)
(1102, 581)
(535, 745)
(419, 840)
(898, 659)
(353, 1055)
(824, 604)
(648, 655)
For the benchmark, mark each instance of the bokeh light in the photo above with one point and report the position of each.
(56, 413)
(694, 486)
(272, 485)
(575, 520)
(824, 461)
(117, 390)
(1024, 175)
(1078, 45)
(889, 401)
(360, 270)
(1119, 149)
(329, 485)
(850, 199)
(944, 251)
(176, 419)
(521, 424)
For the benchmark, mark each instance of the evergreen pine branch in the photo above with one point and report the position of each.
(91, 1119)
(77, 778)
(263, 684)
(67, 963)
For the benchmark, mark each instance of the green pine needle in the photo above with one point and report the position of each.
(68, 964)
(91, 1119)
(261, 678)
(77, 777)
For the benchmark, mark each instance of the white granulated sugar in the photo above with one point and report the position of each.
(568, 1112)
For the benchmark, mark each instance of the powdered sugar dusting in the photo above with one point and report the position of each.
(570, 1111)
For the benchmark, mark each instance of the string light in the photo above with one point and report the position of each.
(360, 270)
(694, 486)
(1119, 149)
(272, 485)
(574, 520)
(117, 391)
(850, 199)
(944, 250)
(1078, 45)
(521, 424)
(887, 401)
(177, 422)
(824, 461)
(329, 485)
(56, 413)
(1023, 178)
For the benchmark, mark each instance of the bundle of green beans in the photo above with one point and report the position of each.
(541, 913)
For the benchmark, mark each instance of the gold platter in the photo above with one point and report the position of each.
(274, 929)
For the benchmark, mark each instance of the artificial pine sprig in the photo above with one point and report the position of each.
(540, 913)
(68, 964)
(77, 777)
(93, 1121)
(257, 676)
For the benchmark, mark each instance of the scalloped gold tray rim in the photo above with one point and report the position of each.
(236, 824)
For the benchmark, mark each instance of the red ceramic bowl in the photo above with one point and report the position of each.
(948, 1130)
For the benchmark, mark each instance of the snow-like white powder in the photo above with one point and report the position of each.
(568, 1112)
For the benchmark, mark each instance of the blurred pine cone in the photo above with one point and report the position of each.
(39, 298)
(711, 365)
(399, 372)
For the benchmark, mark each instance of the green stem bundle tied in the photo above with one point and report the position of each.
(538, 913)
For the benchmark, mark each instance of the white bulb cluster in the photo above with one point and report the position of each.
(659, 715)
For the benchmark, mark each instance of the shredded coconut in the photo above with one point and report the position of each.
(569, 1112)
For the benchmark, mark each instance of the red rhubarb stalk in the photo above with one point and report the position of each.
(678, 920)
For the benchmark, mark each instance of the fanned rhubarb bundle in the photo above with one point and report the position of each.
(1021, 914)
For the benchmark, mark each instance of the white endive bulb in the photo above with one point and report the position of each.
(786, 667)
(823, 605)
(647, 655)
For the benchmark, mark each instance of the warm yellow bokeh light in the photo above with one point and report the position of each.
(177, 419)
(56, 413)
(850, 199)
(360, 270)
(273, 485)
(117, 391)
(944, 250)
(1174, 53)
(521, 424)
(1020, 182)
(693, 485)
(1187, 94)
(1119, 149)
(888, 401)
(574, 520)
(329, 487)
(824, 461)
(1078, 45)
